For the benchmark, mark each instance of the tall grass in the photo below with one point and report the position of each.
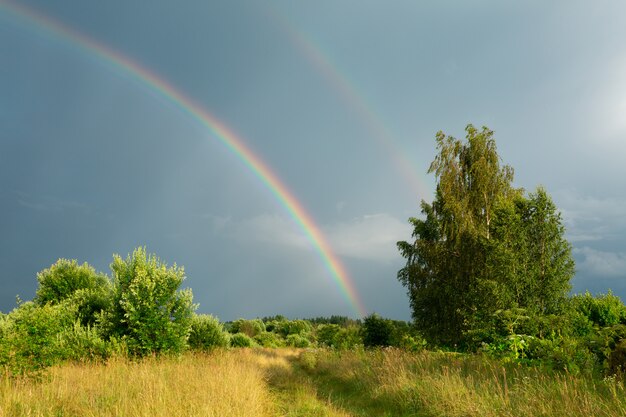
(219, 384)
(397, 383)
(309, 383)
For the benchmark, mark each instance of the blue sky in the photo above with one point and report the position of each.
(93, 162)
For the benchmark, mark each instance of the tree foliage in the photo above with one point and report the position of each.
(482, 245)
(148, 309)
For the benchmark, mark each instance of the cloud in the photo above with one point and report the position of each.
(371, 237)
(47, 203)
(602, 263)
(264, 228)
(589, 218)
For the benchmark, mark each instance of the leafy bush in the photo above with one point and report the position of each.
(81, 343)
(269, 340)
(249, 327)
(298, 341)
(241, 340)
(332, 335)
(30, 336)
(148, 310)
(289, 327)
(206, 333)
(377, 331)
(66, 277)
(603, 310)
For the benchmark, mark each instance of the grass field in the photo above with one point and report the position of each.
(308, 383)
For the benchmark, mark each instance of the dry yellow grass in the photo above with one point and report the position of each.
(218, 384)
(303, 383)
(398, 383)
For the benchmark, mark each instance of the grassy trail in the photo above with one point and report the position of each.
(300, 390)
(302, 383)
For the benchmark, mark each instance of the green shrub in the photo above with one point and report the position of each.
(30, 340)
(206, 333)
(332, 335)
(288, 327)
(603, 310)
(241, 340)
(297, 341)
(249, 327)
(377, 331)
(269, 340)
(66, 277)
(80, 343)
(148, 310)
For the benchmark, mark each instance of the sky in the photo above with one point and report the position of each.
(339, 100)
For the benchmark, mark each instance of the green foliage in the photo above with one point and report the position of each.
(342, 321)
(297, 341)
(80, 343)
(80, 285)
(289, 327)
(148, 309)
(206, 333)
(241, 340)
(377, 331)
(334, 336)
(269, 340)
(482, 246)
(528, 261)
(30, 336)
(603, 310)
(64, 278)
(249, 327)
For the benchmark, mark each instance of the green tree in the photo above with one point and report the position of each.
(148, 309)
(377, 331)
(447, 260)
(528, 258)
(80, 285)
(481, 244)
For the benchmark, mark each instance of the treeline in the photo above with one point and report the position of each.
(79, 314)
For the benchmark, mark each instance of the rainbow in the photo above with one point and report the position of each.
(218, 130)
(356, 101)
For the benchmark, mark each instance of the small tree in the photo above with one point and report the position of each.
(148, 309)
(377, 331)
(79, 285)
(207, 333)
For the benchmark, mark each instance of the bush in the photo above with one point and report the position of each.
(64, 278)
(332, 335)
(288, 327)
(249, 327)
(148, 310)
(269, 340)
(603, 310)
(241, 340)
(80, 343)
(30, 339)
(298, 341)
(206, 333)
(377, 331)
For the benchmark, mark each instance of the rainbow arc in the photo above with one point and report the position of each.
(218, 130)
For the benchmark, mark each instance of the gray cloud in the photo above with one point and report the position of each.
(602, 263)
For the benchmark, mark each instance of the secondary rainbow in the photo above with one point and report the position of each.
(342, 85)
(219, 130)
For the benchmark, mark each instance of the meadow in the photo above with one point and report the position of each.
(292, 382)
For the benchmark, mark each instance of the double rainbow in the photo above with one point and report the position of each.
(217, 129)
